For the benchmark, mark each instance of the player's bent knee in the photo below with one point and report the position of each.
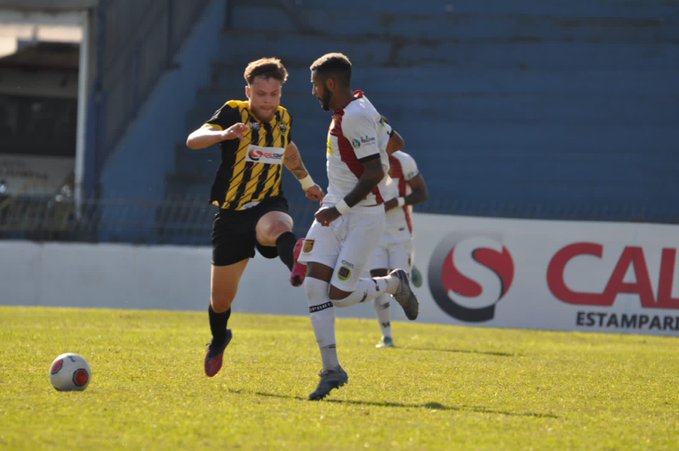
(337, 294)
(271, 226)
(274, 229)
(339, 297)
(342, 303)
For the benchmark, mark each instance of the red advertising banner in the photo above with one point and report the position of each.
(563, 275)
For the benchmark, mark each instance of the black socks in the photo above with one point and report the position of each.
(218, 324)
(285, 245)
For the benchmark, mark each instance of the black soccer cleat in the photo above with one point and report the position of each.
(404, 295)
(329, 379)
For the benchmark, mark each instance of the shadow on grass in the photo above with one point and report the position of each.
(461, 351)
(426, 405)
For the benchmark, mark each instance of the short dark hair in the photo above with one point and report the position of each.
(336, 65)
(266, 67)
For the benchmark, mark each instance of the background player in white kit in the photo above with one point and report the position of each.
(350, 222)
(404, 188)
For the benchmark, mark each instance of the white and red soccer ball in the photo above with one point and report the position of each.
(70, 372)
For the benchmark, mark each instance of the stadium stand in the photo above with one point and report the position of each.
(527, 109)
(530, 109)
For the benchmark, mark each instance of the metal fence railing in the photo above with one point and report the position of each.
(137, 222)
(188, 221)
(179, 222)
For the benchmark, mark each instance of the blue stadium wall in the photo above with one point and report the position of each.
(531, 109)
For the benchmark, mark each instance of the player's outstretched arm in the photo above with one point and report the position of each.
(209, 135)
(293, 161)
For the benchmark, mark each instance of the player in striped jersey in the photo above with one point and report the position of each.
(405, 187)
(255, 136)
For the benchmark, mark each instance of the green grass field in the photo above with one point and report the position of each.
(443, 387)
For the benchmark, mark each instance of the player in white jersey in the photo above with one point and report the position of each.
(405, 188)
(350, 221)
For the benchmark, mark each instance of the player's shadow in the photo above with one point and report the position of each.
(426, 405)
(460, 351)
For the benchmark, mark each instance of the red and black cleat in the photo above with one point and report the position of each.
(215, 355)
(299, 269)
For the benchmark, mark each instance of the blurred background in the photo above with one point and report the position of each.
(548, 109)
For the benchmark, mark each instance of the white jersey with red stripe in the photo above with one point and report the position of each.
(403, 169)
(358, 131)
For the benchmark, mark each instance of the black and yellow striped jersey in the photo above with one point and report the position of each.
(252, 167)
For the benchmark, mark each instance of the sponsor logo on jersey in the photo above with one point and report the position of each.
(362, 140)
(268, 155)
(368, 139)
(308, 246)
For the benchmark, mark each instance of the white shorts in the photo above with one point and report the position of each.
(346, 244)
(394, 251)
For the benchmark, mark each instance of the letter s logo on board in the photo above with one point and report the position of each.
(469, 274)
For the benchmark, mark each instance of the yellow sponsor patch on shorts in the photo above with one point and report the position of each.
(308, 246)
(344, 273)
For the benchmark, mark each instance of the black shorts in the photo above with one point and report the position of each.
(233, 232)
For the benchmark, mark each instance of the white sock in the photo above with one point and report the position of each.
(381, 305)
(322, 315)
(368, 289)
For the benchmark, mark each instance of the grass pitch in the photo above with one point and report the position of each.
(443, 387)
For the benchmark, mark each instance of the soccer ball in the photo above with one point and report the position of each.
(70, 372)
